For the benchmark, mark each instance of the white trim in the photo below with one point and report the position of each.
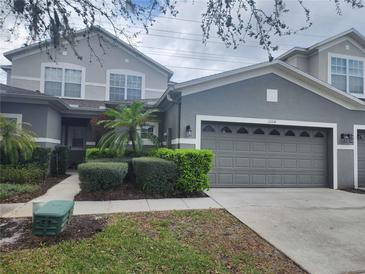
(245, 120)
(103, 85)
(47, 140)
(356, 156)
(17, 77)
(345, 147)
(185, 141)
(347, 57)
(90, 143)
(155, 90)
(17, 116)
(64, 66)
(126, 73)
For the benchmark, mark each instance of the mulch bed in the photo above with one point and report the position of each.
(129, 191)
(16, 233)
(25, 197)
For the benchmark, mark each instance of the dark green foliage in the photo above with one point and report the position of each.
(40, 157)
(192, 167)
(96, 176)
(97, 153)
(155, 175)
(28, 174)
(59, 160)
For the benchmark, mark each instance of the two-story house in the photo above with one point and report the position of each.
(298, 121)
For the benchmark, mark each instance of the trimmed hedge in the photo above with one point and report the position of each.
(59, 160)
(155, 175)
(192, 167)
(28, 174)
(96, 176)
(96, 153)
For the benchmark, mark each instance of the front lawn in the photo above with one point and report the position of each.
(197, 241)
(11, 190)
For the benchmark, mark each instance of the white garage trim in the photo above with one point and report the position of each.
(47, 140)
(245, 120)
(356, 163)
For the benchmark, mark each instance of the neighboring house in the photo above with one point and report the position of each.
(298, 121)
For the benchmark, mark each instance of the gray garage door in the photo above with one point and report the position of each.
(266, 156)
(361, 158)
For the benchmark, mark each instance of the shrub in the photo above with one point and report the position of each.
(95, 176)
(28, 174)
(192, 167)
(9, 190)
(154, 175)
(97, 153)
(59, 160)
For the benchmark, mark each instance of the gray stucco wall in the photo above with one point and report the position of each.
(35, 115)
(111, 57)
(248, 99)
(45, 122)
(171, 120)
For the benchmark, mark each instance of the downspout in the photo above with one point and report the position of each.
(168, 97)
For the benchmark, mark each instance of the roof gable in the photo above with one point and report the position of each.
(279, 68)
(352, 35)
(109, 36)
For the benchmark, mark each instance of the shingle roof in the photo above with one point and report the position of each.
(6, 89)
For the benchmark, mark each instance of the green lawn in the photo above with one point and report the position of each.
(9, 190)
(200, 241)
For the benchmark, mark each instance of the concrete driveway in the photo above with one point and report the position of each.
(323, 230)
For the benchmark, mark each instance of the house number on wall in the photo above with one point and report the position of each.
(271, 121)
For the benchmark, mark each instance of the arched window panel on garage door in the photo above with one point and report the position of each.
(319, 134)
(259, 131)
(208, 128)
(304, 134)
(290, 133)
(274, 132)
(242, 130)
(226, 130)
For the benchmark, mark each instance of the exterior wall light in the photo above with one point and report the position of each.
(188, 131)
(347, 138)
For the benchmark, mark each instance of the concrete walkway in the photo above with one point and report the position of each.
(69, 188)
(323, 230)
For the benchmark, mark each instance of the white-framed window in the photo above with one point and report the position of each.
(347, 73)
(124, 85)
(146, 130)
(16, 117)
(63, 80)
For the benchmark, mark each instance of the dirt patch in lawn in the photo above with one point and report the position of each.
(25, 197)
(129, 191)
(16, 233)
(220, 234)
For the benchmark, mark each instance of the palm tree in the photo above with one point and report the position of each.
(15, 140)
(123, 124)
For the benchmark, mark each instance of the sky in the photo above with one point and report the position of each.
(177, 42)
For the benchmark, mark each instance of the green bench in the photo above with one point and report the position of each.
(52, 218)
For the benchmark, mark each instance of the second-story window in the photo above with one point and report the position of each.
(62, 82)
(125, 87)
(348, 75)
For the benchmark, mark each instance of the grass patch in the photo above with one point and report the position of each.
(9, 190)
(197, 241)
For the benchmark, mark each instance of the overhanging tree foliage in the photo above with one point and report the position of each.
(234, 21)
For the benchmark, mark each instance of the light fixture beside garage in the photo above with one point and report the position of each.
(188, 131)
(347, 138)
